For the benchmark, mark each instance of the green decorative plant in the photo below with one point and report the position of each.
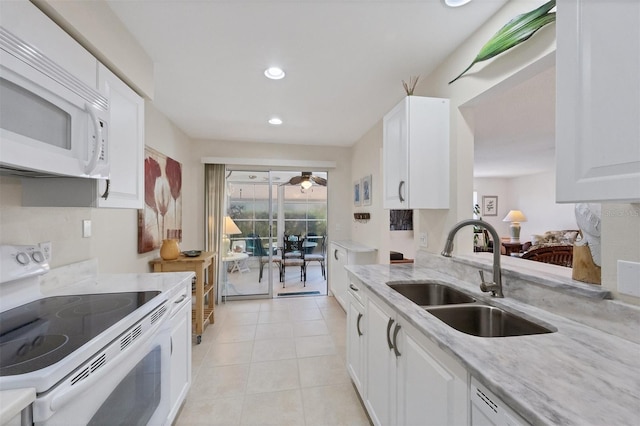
(410, 87)
(514, 32)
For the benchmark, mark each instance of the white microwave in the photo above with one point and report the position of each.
(51, 123)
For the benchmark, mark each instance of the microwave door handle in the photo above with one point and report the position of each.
(93, 161)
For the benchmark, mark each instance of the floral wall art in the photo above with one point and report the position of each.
(161, 217)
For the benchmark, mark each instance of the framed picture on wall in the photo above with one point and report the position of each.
(161, 217)
(490, 205)
(357, 194)
(366, 191)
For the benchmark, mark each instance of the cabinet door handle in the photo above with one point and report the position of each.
(335, 254)
(184, 296)
(105, 194)
(400, 191)
(354, 288)
(358, 324)
(90, 166)
(395, 340)
(389, 324)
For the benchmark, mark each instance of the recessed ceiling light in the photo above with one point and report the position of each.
(456, 3)
(275, 121)
(274, 73)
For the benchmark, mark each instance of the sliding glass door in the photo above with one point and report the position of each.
(262, 208)
(251, 265)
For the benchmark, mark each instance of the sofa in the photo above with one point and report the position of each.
(555, 247)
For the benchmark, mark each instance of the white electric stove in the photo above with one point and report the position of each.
(114, 344)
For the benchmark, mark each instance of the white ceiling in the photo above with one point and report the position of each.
(344, 59)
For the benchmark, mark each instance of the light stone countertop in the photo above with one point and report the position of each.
(576, 376)
(353, 246)
(13, 401)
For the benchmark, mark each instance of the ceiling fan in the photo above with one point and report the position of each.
(306, 180)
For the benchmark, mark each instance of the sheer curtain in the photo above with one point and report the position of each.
(214, 205)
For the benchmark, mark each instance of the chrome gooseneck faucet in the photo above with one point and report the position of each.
(494, 287)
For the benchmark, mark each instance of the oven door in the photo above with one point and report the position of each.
(132, 388)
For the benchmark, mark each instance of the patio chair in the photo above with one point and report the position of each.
(316, 251)
(293, 255)
(255, 246)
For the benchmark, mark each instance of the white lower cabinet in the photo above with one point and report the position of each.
(343, 253)
(180, 351)
(355, 341)
(380, 370)
(431, 386)
(408, 380)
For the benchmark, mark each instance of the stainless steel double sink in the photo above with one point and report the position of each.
(464, 313)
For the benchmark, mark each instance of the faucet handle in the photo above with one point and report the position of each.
(487, 286)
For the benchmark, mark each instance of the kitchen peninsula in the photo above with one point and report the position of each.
(582, 373)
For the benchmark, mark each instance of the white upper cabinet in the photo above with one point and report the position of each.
(125, 126)
(26, 21)
(416, 154)
(126, 138)
(598, 101)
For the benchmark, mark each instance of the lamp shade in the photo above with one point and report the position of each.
(230, 226)
(515, 216)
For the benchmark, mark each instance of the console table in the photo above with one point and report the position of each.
(204, 268)
(511, 248)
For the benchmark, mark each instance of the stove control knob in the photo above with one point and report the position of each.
(37, 256)
(22, 258)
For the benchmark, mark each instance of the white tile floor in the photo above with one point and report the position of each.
(246, 282)
(273, 362)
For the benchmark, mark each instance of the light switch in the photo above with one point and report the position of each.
(629, 278)
(86, 228)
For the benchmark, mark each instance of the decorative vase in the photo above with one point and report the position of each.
(169, 250)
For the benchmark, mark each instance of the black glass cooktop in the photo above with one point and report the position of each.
(41, 333)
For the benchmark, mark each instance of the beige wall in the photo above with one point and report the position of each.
(494, 75)
(367, 160)
(338, 177)
(114, 240)
(621, 225)
(114, 231)
(535, 196)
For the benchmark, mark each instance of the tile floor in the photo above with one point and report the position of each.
(273, 362)
(246, 282)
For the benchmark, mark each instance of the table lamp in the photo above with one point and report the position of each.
(515, 217)
(230, 228)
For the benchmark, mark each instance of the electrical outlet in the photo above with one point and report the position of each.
(47, 250)
(86, 228)
(423, 239)
(628, 273)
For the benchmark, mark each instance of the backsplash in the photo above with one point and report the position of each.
(33, 225)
